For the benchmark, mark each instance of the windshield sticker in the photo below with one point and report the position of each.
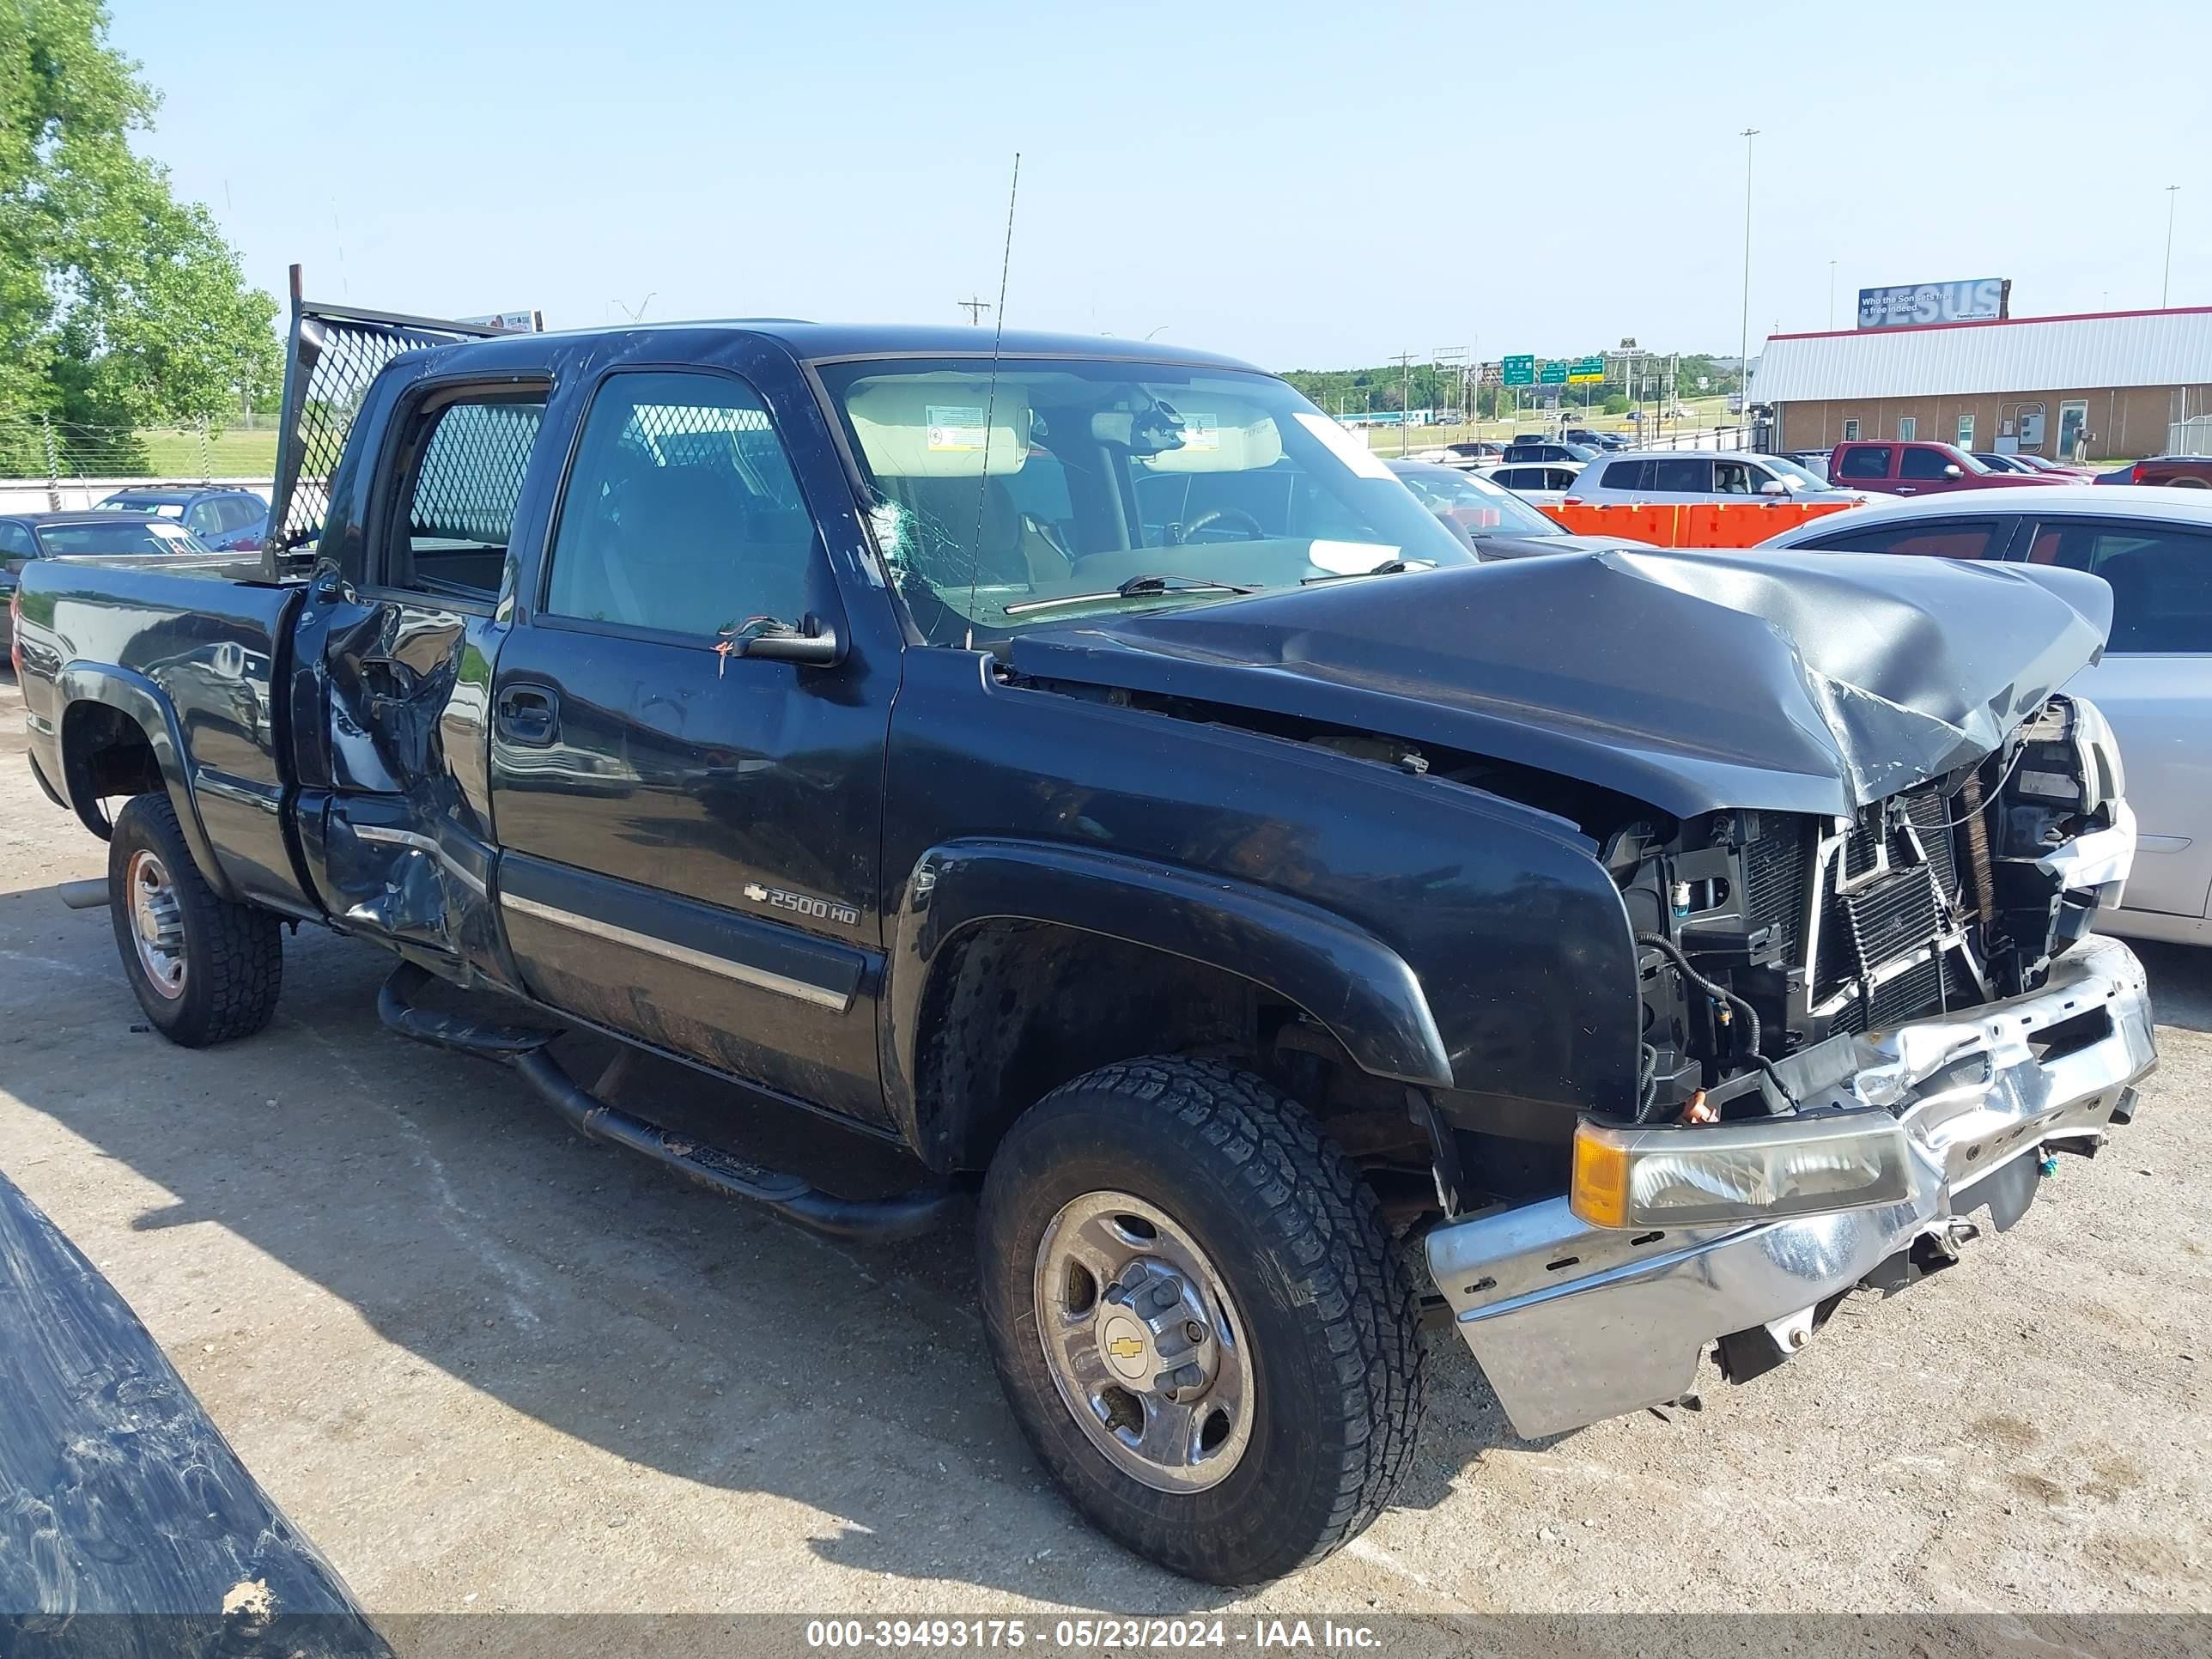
(1202, 431)
(955, 426)
(1352, 450)
(1349, 558)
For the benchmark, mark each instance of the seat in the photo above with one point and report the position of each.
(964, 534)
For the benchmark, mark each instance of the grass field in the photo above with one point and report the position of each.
(179, 452)
(1704, 412)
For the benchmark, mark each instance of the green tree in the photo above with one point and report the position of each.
(120, 307)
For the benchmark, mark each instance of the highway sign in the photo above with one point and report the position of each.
(1586, 368)
(1553, 373)
(1517, 371)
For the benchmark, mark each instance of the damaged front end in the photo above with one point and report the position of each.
(1857, 1030)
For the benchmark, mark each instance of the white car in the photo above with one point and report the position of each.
(1668, 477)
(2153, 546)
(1546, 481)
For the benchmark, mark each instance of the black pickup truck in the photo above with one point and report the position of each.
(1079, 763)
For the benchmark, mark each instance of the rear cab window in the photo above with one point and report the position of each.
(460, 466)
(2160, 577)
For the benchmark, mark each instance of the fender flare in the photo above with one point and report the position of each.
(1354, 984)
(144, 702)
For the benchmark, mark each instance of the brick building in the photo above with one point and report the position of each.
(2107, 385)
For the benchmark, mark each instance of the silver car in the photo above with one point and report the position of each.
(1669, 478)
(2153, 546)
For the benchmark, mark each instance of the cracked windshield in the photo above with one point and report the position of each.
(1062, 490)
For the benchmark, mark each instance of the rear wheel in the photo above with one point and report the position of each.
(205, 969)
(1199, 1318)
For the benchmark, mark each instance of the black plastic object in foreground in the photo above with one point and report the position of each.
(129, 1526)
(905, 1215)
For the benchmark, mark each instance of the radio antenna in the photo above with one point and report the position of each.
(991, 406)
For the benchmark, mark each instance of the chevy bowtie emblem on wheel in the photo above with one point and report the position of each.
(1125, 1347)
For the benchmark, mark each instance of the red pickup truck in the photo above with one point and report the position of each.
(1903, 467)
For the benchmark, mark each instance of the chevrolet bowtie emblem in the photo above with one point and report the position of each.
(1125, 1347)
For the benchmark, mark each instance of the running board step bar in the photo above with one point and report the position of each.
(882, 1220)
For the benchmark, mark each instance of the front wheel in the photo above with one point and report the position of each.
(1199, 1318)
(204, 969)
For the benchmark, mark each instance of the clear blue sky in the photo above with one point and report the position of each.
(1307, 185)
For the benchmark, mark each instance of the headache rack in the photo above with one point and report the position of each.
(333, 355)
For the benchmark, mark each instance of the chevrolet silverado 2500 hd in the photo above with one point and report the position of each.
(1084, 766)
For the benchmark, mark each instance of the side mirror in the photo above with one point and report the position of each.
(1952, 470)
(1774, 487)
(814, 643)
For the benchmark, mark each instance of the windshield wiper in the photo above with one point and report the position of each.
(1136, 587)
(1388, 568)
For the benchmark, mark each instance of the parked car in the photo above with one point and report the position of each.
(1497, 523)
(2033, 466)
(2175, 472)
(1083, 765)
(1814, 461)
(27, 536)
(227, 521)
(1474, 452)
(1548, 449)
(2155, 683)
(1694, 475)
(1598, 440)
(1893, 466)
(1538, 481)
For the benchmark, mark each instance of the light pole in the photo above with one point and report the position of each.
(1832, 295)
(1743, 338)
(2165, 288)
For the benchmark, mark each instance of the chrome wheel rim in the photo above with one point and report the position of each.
(1143, 1343)
(157, 923)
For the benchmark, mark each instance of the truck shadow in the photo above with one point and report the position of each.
(578, 1286)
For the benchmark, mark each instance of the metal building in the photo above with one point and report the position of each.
(2116, 385)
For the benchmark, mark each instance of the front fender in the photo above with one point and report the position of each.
(144, 703)
(1351, 983)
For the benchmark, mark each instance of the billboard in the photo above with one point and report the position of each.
(1985, 299)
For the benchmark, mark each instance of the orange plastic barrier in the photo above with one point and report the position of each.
(1704, 524)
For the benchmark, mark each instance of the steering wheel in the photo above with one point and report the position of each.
(1254, 530)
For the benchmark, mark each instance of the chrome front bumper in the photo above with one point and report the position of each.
(1571, 1323)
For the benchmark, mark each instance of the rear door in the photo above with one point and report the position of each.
(690, 835)
(2154, 685)
(1865, 466)
(403, 846)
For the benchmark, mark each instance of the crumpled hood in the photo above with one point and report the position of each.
(1801, 682)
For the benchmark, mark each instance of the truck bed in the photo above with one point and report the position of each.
(196, 651)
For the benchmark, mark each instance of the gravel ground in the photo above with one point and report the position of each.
(487, 1365)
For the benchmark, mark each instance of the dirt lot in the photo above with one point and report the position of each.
(487, 1365)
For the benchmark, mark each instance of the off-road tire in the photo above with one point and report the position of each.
(234, 953)
(1299, 1241)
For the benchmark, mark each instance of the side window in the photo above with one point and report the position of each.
(2161, 581)
(203, 520)
(238, 511)
(1922, 464)
(463, 465)
(1937, 538)
(16, 545)
(682, 513)
(1850, 431)
(1690, 476)
(1627, 475)
(1871, 462)
(1734, 478)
